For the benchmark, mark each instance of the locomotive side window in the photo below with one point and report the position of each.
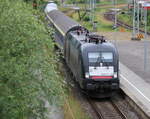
(107, 56)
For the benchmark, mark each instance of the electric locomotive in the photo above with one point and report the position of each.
(93, 61)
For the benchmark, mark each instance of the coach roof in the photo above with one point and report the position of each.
(62, 22)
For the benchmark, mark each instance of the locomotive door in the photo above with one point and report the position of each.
(68, 49)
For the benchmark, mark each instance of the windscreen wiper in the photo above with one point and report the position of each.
(97, 61)
(105, 62)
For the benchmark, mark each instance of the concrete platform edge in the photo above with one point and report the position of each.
(134, 92)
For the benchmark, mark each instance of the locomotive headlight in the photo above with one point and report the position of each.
(115, 74)
(87, 75)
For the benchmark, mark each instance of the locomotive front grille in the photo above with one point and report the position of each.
(105, 85)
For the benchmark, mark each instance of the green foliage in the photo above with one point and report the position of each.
(75, 1)
(27, 66)
(97, 1)
(128, 19)
(148, 18)
(86, 18)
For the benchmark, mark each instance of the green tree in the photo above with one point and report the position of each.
(27, 65)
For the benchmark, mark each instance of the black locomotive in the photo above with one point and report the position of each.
(93, 61)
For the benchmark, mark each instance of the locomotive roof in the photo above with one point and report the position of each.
(62, 22)
(106, 46)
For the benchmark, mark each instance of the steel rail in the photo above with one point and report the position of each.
(109, 16)
(123, 116)
(96, 110)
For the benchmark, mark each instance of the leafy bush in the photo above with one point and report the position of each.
(148, 18)
(27, 66)
(75, 1)
(86, 18)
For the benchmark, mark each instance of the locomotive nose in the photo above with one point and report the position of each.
(102, 86)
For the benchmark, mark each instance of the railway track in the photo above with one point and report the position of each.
(116, 107)
(106, 110)
(110, 16)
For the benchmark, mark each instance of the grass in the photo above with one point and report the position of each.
(109, 2)
(73, 109)
(127, 18)
(102, 25)
(104, 2)
(72, 106)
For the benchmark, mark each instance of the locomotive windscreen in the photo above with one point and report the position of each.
(100, 57)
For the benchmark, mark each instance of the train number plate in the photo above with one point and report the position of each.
(101, 71)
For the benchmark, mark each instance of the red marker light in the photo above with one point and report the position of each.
(101, 77)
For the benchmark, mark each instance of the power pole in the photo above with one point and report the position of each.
(115, 10)
(136, 20)
(134, 15)
(115, 4)
(145, 44)
(93, 7)
(91, 10)
(146, 7)
(138, 17)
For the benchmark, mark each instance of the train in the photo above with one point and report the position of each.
(93, 60)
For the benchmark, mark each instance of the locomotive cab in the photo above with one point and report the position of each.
(93, 62)
(100, 67)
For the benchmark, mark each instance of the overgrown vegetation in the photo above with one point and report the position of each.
(102, 24)
(128, 18)
(27, 65)
(101, 2)
(73, 109)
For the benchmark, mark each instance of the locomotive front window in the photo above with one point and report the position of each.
(93, 56)
(107, 56)
(100, 56)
